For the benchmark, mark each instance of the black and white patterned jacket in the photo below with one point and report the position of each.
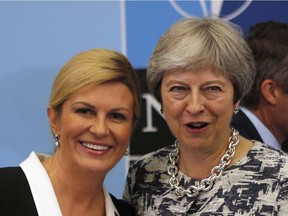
(255, 185)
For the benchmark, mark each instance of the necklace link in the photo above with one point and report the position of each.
(207, 183)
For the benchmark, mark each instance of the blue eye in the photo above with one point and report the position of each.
(214, 88)
(177, 88)
(118, 116)
(85, 111)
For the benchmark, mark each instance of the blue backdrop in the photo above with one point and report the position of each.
(38, 37)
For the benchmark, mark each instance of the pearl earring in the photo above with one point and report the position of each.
(127, 152)
(236, 110)
(56, 140)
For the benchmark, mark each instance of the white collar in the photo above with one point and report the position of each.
(42, 189)
(40, 185)
(109, 205)
(266, 135)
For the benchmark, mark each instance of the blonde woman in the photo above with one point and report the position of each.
(93, 108)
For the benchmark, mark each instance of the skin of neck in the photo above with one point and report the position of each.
(78, 193)
(198, 165)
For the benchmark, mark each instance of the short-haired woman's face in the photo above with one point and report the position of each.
(95, 127)
(198, 107)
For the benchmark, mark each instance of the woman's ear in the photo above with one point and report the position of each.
(236, 107)
(53, 116)
(237, 104)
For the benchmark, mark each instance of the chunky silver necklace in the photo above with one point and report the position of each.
(207, 183)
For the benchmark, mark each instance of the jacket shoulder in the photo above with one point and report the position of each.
(123, 207)
(15, 197)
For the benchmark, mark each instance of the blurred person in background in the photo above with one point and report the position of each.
(263, 114)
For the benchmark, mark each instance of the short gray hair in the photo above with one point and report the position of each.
(202, 43)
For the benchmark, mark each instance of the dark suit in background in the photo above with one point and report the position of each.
(245, 127)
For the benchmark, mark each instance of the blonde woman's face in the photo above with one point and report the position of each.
(95, 127)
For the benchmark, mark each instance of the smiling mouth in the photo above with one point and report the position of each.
(197, 125)
(95, 147)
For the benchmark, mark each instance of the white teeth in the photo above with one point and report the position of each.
(95, 147)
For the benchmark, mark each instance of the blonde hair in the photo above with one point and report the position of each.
(91, 68)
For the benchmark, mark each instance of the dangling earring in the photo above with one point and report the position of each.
(56, 140)
(236, 110)
(127, 152)
(161, 110)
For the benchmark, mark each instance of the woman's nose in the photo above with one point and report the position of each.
(99, 128)
(195, 104)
